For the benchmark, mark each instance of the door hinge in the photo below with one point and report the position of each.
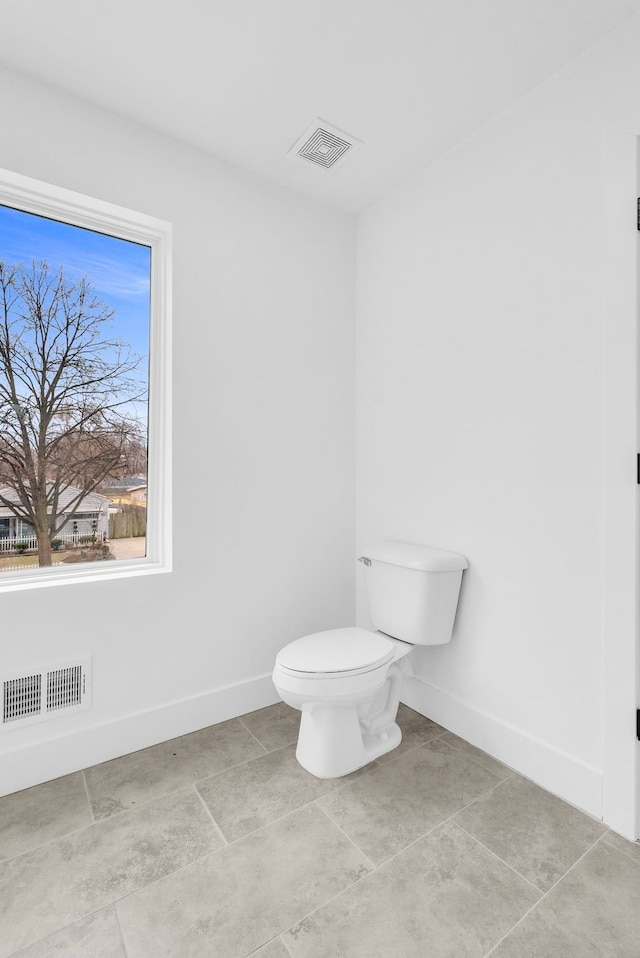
(638, 220)
(638, 724)
(638, 468)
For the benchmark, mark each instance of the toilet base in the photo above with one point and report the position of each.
(332, 742)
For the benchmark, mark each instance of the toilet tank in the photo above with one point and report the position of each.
(413, 590)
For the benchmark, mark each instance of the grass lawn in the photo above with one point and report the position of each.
(23, 562)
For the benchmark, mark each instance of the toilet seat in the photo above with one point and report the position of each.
(336, 652)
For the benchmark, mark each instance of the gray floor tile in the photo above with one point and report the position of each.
(97, 936)
(416, 730)
(536, 833)
(487, 761)
(232, 902)
(593, 912)
(444, 897)
(252, 795)
(628, 848)
(275, 949)
(391, 806)
(42, 813)
(55, 885)
(274, 726)
(162, 863)
(152, 772)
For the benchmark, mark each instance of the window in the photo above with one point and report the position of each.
(84, 388)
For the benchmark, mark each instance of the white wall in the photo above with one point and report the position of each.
(480, 422)
(263, 445)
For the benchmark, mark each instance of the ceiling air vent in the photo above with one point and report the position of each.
(43, 693)
(324, 145)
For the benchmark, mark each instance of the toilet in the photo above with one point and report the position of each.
(347, 682)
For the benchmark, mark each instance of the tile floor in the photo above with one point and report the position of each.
(218, 845)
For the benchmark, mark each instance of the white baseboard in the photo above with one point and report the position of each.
(50, 758)
(556, 771)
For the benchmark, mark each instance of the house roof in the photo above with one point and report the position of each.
(92, 502)
(125, 484)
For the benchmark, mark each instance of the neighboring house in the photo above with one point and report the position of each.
(94, 508)
(127, 491)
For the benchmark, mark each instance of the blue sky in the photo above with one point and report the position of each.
(118, 269)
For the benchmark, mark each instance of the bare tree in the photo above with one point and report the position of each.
(67, 397)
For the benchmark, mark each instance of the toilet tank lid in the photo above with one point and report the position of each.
(410, 556)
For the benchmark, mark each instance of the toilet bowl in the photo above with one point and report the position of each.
(347, 682)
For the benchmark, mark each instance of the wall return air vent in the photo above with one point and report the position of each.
(45, 692)
(324, 145)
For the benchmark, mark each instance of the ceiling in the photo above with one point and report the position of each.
(243, 79)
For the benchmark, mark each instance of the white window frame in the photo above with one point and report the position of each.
(44, 199)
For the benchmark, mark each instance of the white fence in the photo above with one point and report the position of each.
(69, 539)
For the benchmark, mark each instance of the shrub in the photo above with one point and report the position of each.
(56, 544)
(22, 547)
(94, 554)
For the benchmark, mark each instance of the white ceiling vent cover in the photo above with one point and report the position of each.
(324, 145)
(46, 692)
